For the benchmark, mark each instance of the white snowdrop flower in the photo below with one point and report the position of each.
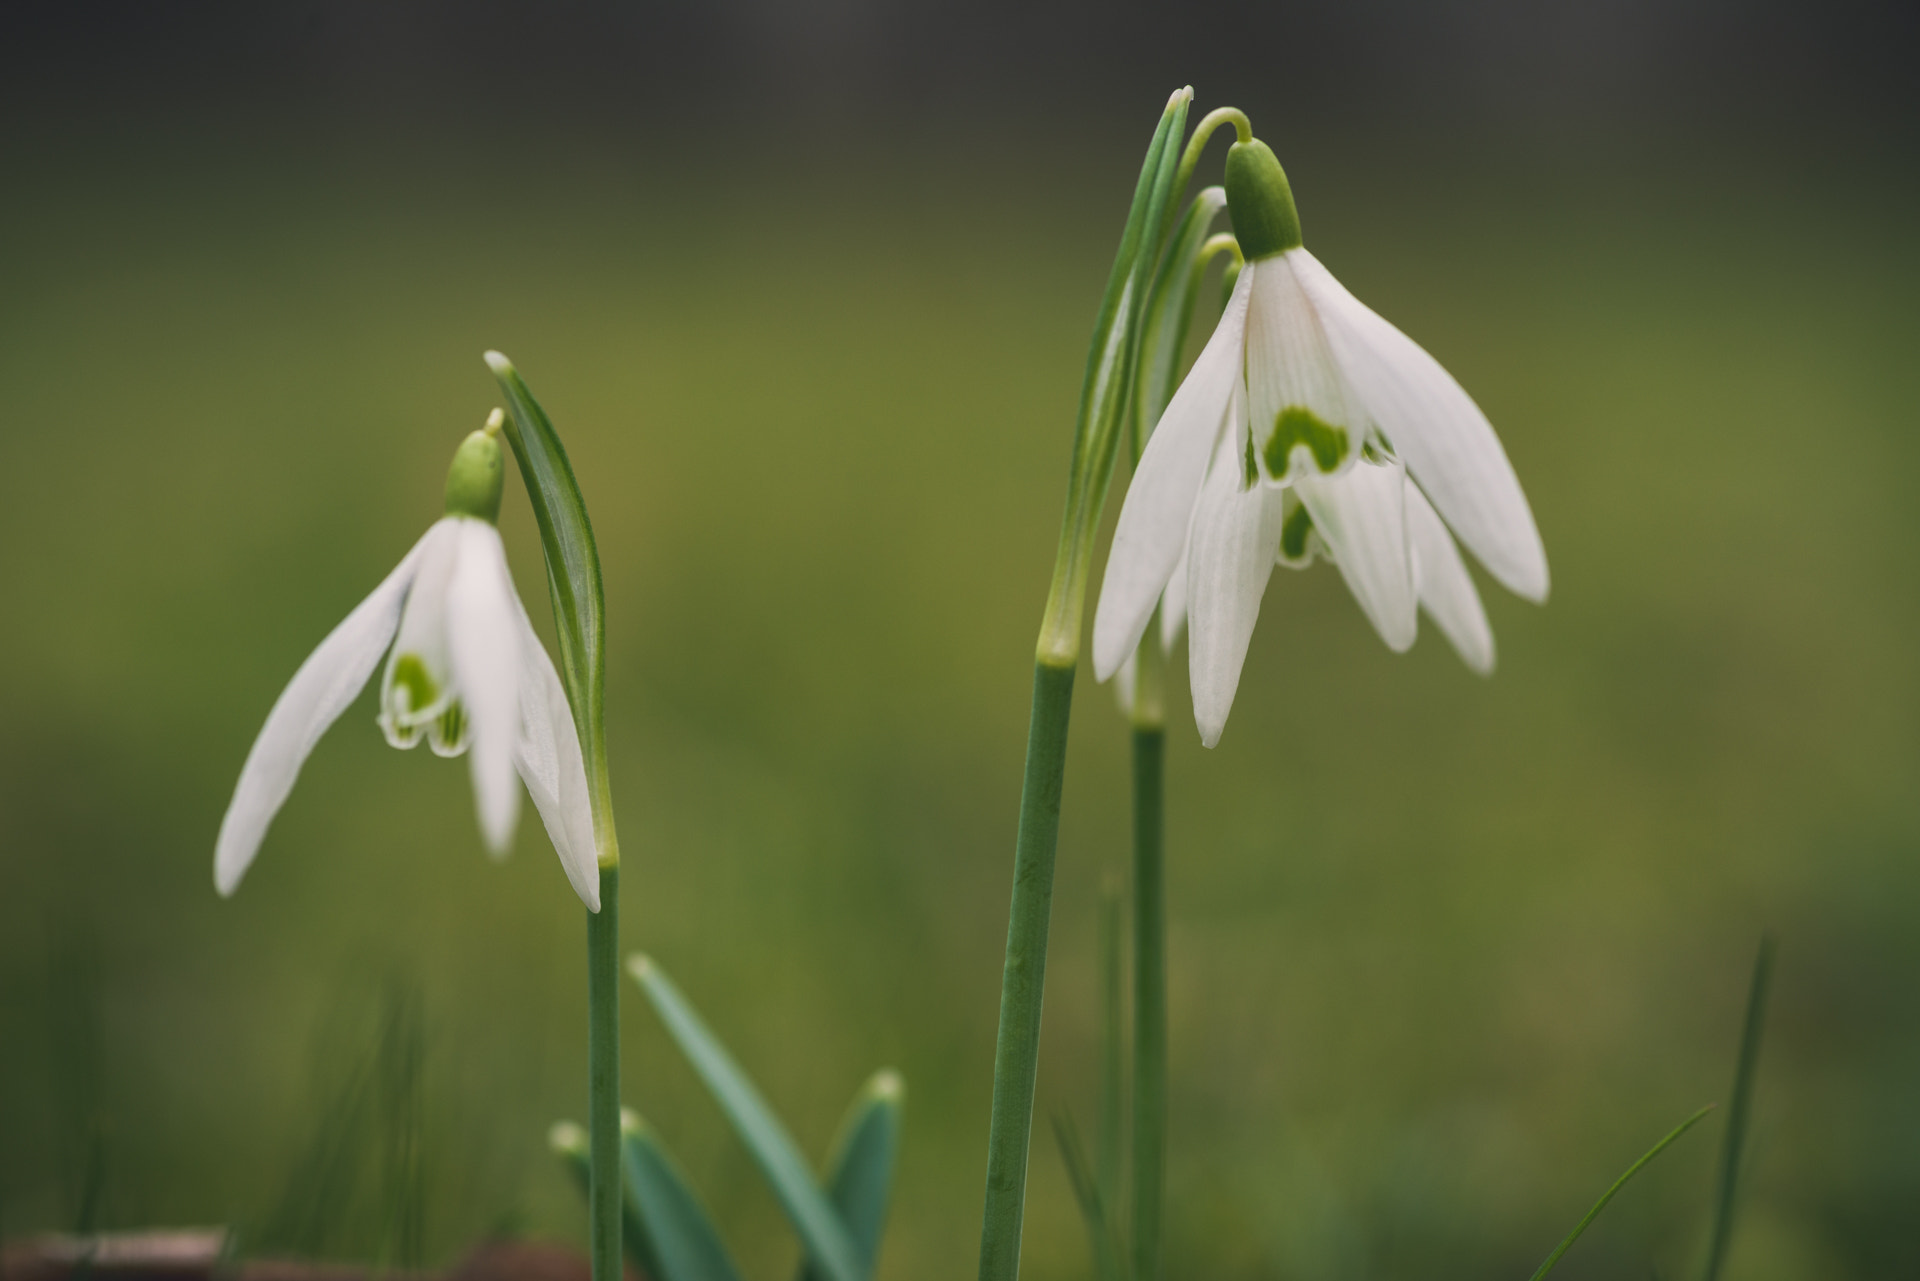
(1309, 426)
(464, 671)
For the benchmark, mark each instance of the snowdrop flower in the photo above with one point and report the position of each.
(464, 671)
(1309, 426)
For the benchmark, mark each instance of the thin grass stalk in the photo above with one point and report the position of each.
(1149, 994)
(1110, 1155)
(1739, 1113)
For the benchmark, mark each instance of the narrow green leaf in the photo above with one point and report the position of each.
(569, 1142)
(1102, 1233)
(1618, 1183)
(573, 562)
(1106, 384)
(813, 1217)
(860, 1166)
(1739, 1115)
(1169, 313)
(680, 1235)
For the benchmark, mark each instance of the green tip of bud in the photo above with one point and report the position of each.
(639, 965)
(498, 363)
(478, 472)
(630, 1122)
(1260, 202)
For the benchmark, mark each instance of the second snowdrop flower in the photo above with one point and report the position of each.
(1310, 425)
(464, 671)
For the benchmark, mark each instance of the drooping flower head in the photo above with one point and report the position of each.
(1307, 427)
(464, 671)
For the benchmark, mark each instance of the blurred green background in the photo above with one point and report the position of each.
(1447, 953)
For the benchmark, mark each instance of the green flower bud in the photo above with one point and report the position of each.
(1260, 202)
(478, 472)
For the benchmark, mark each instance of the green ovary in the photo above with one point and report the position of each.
(1298, 425)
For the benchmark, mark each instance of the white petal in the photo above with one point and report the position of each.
(1291, 366)
(420, 661)
(1152, 528)
(1360, 515)
(322, 689)
(1173, 602)
(1445, 587)
(484, 638)
(1431, 422)
(547, 755)
(1235, 536)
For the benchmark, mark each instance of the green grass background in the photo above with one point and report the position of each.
(1446, 953)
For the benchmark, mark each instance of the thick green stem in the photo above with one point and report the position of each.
(1016, 1053)
(1149, 995)
(603, 1078)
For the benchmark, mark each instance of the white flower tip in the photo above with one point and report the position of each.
(1210, 732)
(225, 881)
(498, 363)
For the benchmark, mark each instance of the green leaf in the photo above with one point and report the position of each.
(860, 1168)
(569, 1142)
(679, 1235)
(1618, 1183)
(1107, 383)
(1739, 1115)
(573, 563)
(1169, 313)
(815, 1220)
(1102, 1232)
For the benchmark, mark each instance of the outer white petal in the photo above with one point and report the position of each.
(1152, 528)
(1173, 601)
(1445, 587)
(1435, 427)
(322, 689)
(1290, 365)
(484, 638)
(1235, 537)
(547, 755)
(1361, 517)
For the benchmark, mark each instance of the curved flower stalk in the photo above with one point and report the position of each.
(1309, 426)
(464, 671)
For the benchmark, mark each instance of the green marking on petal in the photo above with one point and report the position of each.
(1298, 425)
(412, 679)
(1293, 534)
(447, 735)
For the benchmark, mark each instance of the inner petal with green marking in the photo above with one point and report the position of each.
(1297, 425)
(1296, 537)
(412, 700)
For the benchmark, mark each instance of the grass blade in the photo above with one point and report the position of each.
(1740, 1113)
(1619, 1183)
(1102, 1233)
(679, 1233)
(815, 1220)
(860, 1169)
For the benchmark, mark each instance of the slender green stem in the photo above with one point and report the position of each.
(1109, 1156)
(603, 1078)
(1197, 143)
(1149, 993)
(1016, 1053)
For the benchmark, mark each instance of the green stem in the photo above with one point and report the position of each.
(1016, 1053)
(1109, 1156)
(1149, 994)
(1197, 142)
(603, 1078)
